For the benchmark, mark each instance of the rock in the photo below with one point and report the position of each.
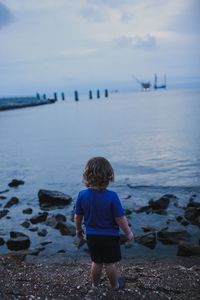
(182, 220)
(60, 218)
(25, 224)
(42, 232)
(27, 211)
(5, 191)
(15, 183)
(61, 251)
(2, 242)
(3, 213)
(185, 249)
(192, 214)
(19, 243)
(160, 204)
(148, 240)
(128, 211)
(41, 217)
(193, 203)
(148, 229)
(33, 229)
(66, 229)
(11, 202)
(2, 197)
(16, 234)
(53, 220)
(173, 237)
(53, 198)
(179, 219)
(45, 243)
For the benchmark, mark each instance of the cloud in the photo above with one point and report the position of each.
(77, 52)
(188, 21)
(94, 14)
(112, 3)
(147, 42)
(6, 16)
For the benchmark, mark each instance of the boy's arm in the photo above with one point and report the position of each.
(78, 222)
(123, 224)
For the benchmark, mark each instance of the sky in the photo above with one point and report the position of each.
(61, 45)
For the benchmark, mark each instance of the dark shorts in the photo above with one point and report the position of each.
(104, 248)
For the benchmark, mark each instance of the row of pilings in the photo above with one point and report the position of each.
(76, 95)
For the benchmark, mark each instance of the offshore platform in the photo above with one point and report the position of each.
(146, 86)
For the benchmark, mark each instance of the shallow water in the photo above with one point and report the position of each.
(151, 138)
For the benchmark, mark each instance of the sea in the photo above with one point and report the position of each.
(152, 140)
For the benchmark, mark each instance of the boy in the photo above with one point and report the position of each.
(103, 215)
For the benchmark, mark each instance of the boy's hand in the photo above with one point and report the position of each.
(80, 233)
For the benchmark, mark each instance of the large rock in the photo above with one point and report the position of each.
(158, 206)
(184, 249)
(11, 202)
(192, 212)
(173, 237)
(15, 183)
(19, 243)
(41, 217)
(16, 234)
(148, 240)
(53, 198)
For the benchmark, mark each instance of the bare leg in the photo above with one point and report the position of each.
(96, 270)
(113, 275)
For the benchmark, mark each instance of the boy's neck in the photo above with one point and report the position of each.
(97, 188)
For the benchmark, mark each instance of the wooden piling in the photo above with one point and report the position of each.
(90, 94)
(55, 96)
(63, 96)
(76, 96)
(98, 93)
(38, 96)
(44, 96)
(106, 93)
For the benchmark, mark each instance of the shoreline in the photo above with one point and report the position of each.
(144, 280)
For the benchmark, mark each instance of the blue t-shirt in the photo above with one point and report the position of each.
(99, 208)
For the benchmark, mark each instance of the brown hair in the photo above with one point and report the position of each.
(98, 173)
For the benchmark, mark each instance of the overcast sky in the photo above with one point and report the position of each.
(63, 44)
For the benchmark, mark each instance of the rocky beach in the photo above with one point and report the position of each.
(149, 280)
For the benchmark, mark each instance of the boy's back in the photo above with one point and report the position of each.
(100, 208)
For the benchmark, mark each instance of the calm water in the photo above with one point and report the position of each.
(151, 138)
